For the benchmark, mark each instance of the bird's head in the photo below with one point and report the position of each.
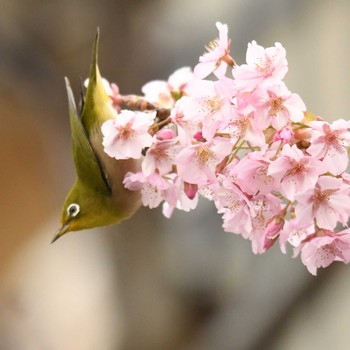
(85, 209)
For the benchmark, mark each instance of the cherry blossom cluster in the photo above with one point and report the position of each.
(275, 172)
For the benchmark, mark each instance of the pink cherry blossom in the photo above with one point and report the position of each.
(161, 157)
(328, 202)
(251, 174)
(295, 234)
(164, 93)
(321, 251)
(186, 128)
(153, 187)
(209, 105)
(294, 171)
(228, 170)
(235, 207)
(329, 143)
(279, 107)
(196, 164)
(275, 172)
(246, 127)
(126, 135)
(265, 207)
(215, 60)
(176, 197)
(179, 80)
(157, 92)
(263, 66)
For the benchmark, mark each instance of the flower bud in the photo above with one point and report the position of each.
(190, 190)
(272, 231)
(198, 136)
(284, 135)
(165, 134)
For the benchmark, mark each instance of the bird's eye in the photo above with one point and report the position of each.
(73, 210)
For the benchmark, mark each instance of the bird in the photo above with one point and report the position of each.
(98, 196)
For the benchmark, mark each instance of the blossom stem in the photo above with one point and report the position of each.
(250, 147)
(138, 103)
(301, 126)
(235, 149)
(229, 60)
(161, 123)
(280, 146)
(222, 134)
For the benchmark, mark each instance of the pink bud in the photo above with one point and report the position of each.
(198, 136)
(190, 190)
(271, 232)
(284, 135)
(165, 134)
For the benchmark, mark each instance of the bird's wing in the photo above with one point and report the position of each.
(87, 166)
(97, 107)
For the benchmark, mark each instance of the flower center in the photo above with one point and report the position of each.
(264, 66)
(296, 168)
(276, 105)
(205, 155)
(160, 151)
(126, 132)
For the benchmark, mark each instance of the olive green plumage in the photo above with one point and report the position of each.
(98, 197)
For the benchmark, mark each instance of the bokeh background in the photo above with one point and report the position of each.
(151, 283)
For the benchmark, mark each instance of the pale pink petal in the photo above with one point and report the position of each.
(203, 69)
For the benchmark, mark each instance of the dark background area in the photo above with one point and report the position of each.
(151, 283)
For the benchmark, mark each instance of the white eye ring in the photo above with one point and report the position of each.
(73, 210)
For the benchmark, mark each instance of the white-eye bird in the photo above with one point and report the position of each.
(98, 197)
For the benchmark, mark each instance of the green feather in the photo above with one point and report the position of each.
(96, 109)
(86, 163)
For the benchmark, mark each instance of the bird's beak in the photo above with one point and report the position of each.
(60, 232)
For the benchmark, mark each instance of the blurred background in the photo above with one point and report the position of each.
(151, 283)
